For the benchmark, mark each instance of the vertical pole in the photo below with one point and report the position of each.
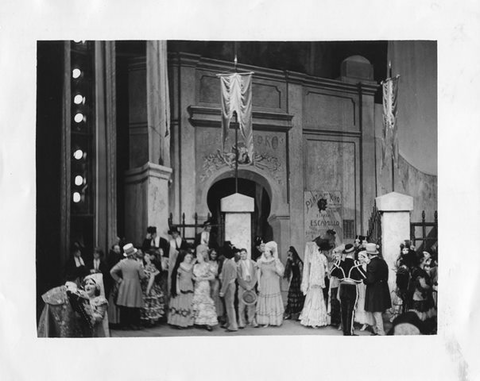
(236, 122)
(393, 167)
(393, 174)
(236, 153)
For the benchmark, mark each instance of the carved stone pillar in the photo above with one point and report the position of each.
(395, 209)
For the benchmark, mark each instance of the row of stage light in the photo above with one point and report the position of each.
(81, 56)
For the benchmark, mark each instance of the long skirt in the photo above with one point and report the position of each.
(270, 305)
(203, 306)
(154, 304)
(361, 316)
(314, 312)
(180, 310)
(295, 297)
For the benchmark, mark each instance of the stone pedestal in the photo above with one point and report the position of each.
(238, 210)
(146, 201)
(395, 208)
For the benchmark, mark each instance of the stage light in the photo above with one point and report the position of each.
(79, 99)
(79, 118)
(78, 180)
(78, 154)
(76, 73)
(76, 197)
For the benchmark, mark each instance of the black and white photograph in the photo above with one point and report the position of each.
(236, 188)
(255, 191)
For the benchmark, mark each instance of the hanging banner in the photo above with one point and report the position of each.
(322, 213)
(236, 91)
(390, 139)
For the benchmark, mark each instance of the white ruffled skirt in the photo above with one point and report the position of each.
(314, 313)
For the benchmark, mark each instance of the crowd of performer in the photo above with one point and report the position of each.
(204, 285)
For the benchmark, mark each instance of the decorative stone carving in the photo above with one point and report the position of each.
(214, 161)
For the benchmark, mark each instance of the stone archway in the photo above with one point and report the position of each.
(279, 218)
(279, 206)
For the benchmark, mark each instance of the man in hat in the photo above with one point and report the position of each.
(377, 298)
(349, 272)
(247, 279)
(128, 273)
(206, 236)
(177, 243)
(153, 241)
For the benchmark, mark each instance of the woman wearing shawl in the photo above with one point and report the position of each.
(295, 298)
(269, 305)
(314, 313)
(181, 291)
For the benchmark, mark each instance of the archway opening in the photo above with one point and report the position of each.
(250, 188)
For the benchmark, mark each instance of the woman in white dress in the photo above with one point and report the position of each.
(203, 306)
(361, 316)
(314, 313)
(270, 307)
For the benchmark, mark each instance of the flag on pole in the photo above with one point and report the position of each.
(390, 140)
(236, 92)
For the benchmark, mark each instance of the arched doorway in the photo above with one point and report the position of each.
(226, 187)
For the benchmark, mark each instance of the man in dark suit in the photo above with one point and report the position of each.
(75, 268)
(154, 241)
(207, 236)
(377, 298)
(177, 243)
(98, 265)
(349, 272)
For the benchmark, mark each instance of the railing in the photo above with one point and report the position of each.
(428, 233)
(196, 227)
(374, 233)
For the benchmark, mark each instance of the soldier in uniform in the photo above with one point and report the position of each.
(349, 272)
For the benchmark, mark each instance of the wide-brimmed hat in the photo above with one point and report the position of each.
(129, 250)
(371, 248)
(348, 248)
(173, 230)
(249, 297)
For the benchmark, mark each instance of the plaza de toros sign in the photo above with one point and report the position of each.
(322, 212)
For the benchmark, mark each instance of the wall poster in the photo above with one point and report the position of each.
(323, 211)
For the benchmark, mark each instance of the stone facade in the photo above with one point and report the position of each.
(310, 134)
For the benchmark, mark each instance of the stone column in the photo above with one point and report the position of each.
(146, 201)
(238, 210)
(395, 222)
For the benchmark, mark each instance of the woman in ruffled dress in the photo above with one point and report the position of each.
(215, 268)
(181, 291)
(153, 296)
(270, 307)
(314, 313)
(365, 318)
(203, 305)
(295, 297)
